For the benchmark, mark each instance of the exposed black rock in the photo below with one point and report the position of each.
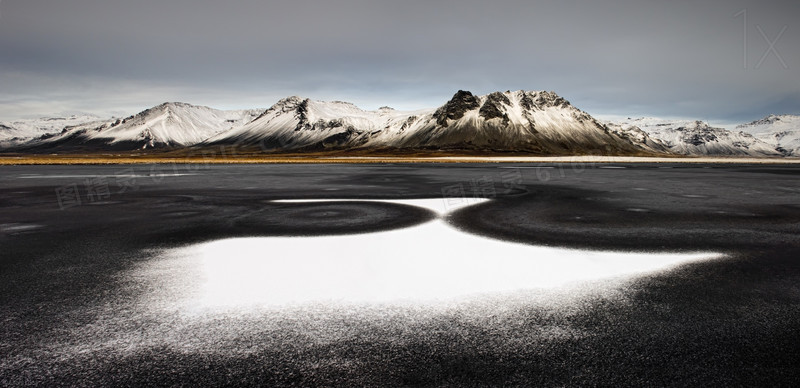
(493, 107)
(408, 123)
(699, 135)
(322, 124)
(301, 112)
(342, 139)
(455, 109)
(771, 119)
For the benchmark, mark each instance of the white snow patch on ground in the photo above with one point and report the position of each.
(423, 265)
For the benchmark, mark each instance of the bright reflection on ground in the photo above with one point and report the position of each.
(428, 263)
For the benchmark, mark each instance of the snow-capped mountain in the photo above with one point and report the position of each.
(780, 131)
(296, 122)
(537, 122)
(691, 137)
(637, 136)
(171, 124)
(20, 131)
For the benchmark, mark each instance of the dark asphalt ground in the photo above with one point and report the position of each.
(70, 316)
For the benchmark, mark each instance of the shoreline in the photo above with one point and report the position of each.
(114, 159)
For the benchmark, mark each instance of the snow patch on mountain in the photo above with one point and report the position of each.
(171, 124)
(20, 131)
(780, 131)
(693, 137)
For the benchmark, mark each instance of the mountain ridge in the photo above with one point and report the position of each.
(520, 121)
(532, 122)
(698, 138)
(780, 131)
(167, 125)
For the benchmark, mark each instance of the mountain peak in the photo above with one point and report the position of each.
(172, 104)
(287, 104)
(291, 100)
(165, 107)
(770, 120)
(498, 105)
(455, 109)
(541, 99)
(698, 124)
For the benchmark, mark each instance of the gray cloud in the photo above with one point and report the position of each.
(680, 58)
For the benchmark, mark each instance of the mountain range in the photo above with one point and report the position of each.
(696, 138)
(781, 132)
(529, 122)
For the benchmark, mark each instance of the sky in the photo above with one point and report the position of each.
(720, 61)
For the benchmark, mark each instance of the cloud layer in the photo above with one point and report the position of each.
(680, 59)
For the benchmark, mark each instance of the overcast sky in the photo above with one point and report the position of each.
(627, 58)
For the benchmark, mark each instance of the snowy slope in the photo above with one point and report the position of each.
(637, 136)
(780, 131)
(690, 137)
(296, 122)
(17, 132)
(171, 124)
(540, 122)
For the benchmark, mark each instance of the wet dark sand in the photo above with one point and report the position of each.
(70, 315)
